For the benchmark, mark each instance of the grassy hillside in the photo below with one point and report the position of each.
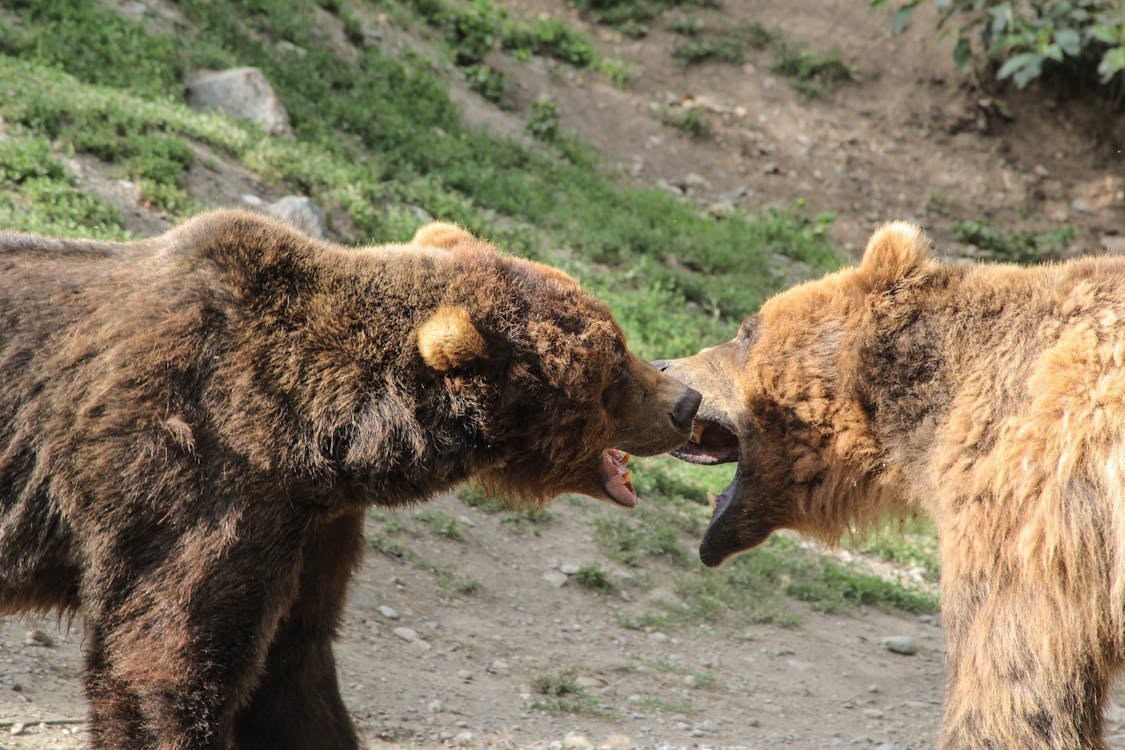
(380, 144)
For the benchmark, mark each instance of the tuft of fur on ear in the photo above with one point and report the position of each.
(440, 234)
(896, 250)
(449, 339)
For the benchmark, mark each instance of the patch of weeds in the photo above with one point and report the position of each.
(811, 74)
(550, 38)
(910, 543)
(442, 524)
(630, 543)
(758, 36)
(942, 204)
(544, 121)
(38, 195)
(353, 29)
(518, 517)
(671, 707)
(646, 621)
(457, 582)
(722, 49)
(561, 693)
(96, 44)
(686, 25)
(756, 584)
(487, 81)
(615, 70)
(592, 577)
(699, 679)
(691, 121)
(1014, 247)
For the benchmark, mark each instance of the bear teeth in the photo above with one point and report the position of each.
(697, 432)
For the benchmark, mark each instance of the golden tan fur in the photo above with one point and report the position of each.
(993, 399)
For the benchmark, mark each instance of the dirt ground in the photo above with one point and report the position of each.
(907, 139)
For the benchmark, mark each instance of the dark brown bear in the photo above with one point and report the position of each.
(191, 428)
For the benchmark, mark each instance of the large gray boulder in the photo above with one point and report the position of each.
(240, 92)
(301, 213)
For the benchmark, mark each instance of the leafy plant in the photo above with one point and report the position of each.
(544, 121)
(1014, 247)
(1025, 41)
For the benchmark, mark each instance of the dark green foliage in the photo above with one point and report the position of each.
(1024, 41)
(544, 121)
(811, 74)
(1014, 247)
(720, 49)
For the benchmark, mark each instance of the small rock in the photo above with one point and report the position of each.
(558, 580)
(39, 637)
(697, 181)
(465, 675)
(575, 741)
(406, 634)
(689, 680)
(435, 707)
(771, 168)
(464, 739)
(900, 644)
(498, 667)
(872, 688)
(707, 725)
(886, 746)
(301, 213)
(388, 612)
(240, 92)
(658, 637)
(252, 200)
(1082, 206)
(589, 683)
(617, 742)
(18, 728)
(873, 713)
(569, 568)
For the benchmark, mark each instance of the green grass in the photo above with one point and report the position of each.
(441, 524)
(812, 74)
(1014, 246)
(559, 692)
(691, 121)
(592, 577)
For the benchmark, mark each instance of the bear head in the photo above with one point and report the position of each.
(787, 399)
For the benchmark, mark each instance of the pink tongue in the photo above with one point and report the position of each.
(614, 480)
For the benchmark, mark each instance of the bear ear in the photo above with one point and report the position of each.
(440, 234)
(449, 339)
(895, 251)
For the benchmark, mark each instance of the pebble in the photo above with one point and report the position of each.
(873, 713)
(900, 644)
(464, 738)
(707, 725)
(575, 741)
(465, 675)
(558, 580)
(388, 612)
(498, 667)
(658, 637)
(39, 637)
(569, 568)
(872, 688)
(616, 742)
(435, 707)
(406, 634)
(18, 728)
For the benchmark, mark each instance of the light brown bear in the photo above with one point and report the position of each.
(992, 397)
(193, 426)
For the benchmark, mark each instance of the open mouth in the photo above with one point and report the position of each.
(617, 478)
(712, 442)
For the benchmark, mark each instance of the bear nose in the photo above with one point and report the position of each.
(686, 407)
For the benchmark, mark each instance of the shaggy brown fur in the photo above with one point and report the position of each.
(191, 428)
(991, 397)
